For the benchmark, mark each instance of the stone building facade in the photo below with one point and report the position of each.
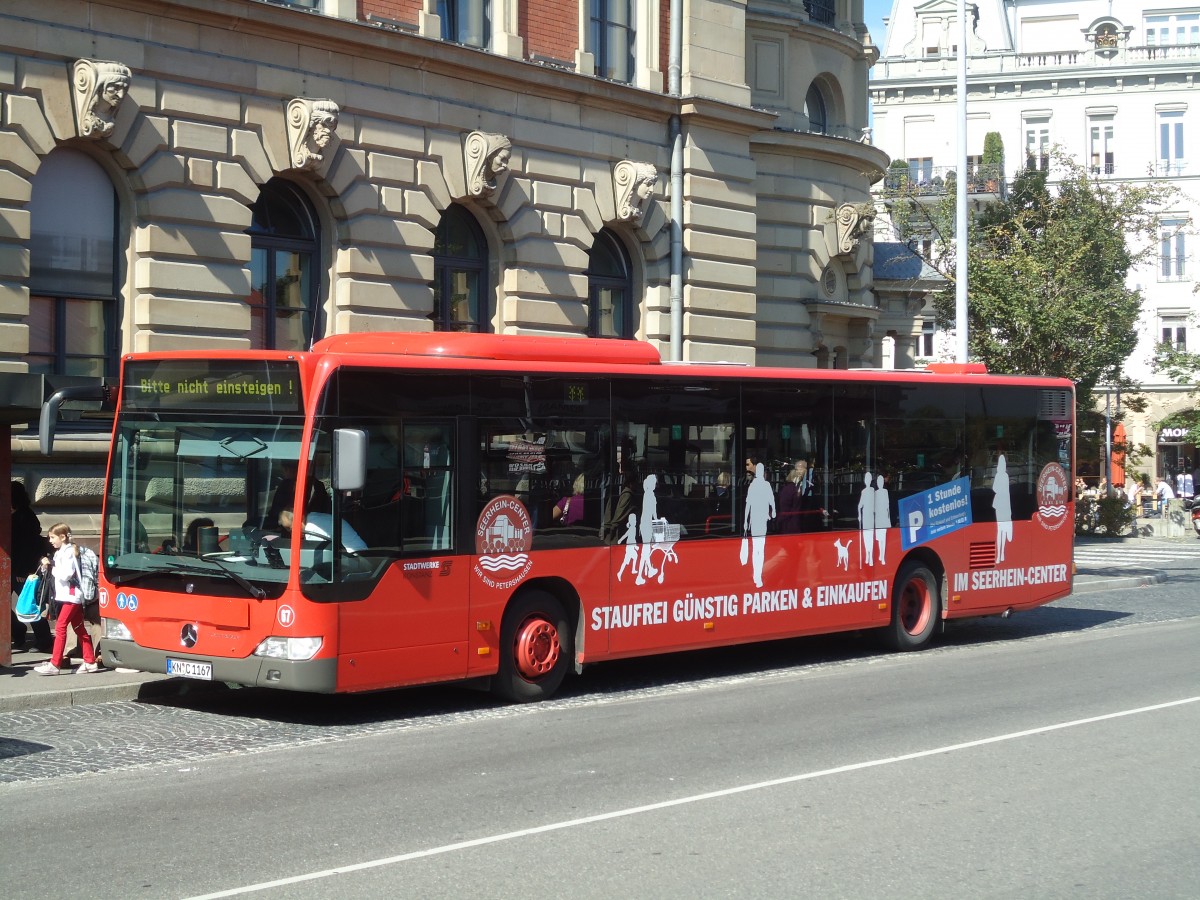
(223, 174)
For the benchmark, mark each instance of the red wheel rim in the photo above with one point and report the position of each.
(915, 606)
(537, 648)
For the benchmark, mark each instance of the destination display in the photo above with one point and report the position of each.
(212, 385)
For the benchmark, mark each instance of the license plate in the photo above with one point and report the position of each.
(187, 668)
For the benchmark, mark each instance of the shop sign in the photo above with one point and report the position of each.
(1173, 435)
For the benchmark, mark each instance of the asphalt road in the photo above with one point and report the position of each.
(1049, 755)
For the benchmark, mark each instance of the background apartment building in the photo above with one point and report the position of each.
(1109, 84)
(237, 173)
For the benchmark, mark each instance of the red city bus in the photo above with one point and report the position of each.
(398, 509)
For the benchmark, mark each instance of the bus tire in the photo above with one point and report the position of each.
(535, 648)
(916, 606)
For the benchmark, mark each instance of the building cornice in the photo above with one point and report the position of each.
(1002, 69)
(722, 116)
(865, 158)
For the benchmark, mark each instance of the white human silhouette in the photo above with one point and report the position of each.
(760, 509)
(630, 540)
(1002, 504)
(883, 519)
(646, 528)
(866, 521)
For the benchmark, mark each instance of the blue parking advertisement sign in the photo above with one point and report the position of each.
(935, 512)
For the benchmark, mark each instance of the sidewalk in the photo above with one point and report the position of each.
(23, 689)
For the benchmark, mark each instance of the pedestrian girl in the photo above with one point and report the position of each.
(68, 595)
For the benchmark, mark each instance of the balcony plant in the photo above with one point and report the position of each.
(992, 163)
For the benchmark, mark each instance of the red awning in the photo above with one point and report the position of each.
(1118, 455)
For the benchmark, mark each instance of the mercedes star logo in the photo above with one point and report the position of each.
(187, 636)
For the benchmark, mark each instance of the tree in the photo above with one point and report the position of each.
(993, 149)
(1047, 268)
(991, 168)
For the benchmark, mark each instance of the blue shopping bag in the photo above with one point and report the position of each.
(28, 609)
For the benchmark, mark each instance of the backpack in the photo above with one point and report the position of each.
(89, 570)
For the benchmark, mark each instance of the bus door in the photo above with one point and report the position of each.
(403, 591)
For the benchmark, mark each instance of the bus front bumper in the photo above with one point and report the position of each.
(313, 675)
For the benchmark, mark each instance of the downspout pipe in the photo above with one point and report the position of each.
(674, 88)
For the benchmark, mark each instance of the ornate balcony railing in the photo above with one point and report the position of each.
(992, 63)
(820, 11)
(938, 180)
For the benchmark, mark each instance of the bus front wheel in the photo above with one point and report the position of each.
(535, 648)
(915, 608)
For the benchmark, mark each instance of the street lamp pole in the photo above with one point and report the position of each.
(1107, 445)
(960, 195)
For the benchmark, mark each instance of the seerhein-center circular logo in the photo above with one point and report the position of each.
(503, 536)
(1052, 487)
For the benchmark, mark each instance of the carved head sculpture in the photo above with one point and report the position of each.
(322, 122)
(634, 184)
(100, 86)
(854, 221)
(498, 161)
(645, 185)
(487, 157)
(311, 124)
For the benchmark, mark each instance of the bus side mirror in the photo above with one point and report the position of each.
(349, 459)
(48, 421)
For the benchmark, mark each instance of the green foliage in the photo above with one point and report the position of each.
(1188, 418)
(993, 149)
(1047, 271)
(917, 212)
(1181, 367)
(1110, 516)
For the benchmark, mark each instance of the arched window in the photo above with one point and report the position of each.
(814, 108)
(283, 254)
(610, 288)
(460, 295)
(72, 268)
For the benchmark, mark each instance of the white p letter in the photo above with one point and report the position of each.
(915, 520)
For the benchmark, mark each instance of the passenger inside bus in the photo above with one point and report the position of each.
(569, 509)
(721, 499)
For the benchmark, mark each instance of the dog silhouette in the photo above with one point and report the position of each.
(843, 553)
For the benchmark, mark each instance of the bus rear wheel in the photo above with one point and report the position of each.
(535, 648)
(916, 605)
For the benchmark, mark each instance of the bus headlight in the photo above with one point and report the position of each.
(294, 648)
(115, 629)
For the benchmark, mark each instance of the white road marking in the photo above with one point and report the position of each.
(1145, 557)
(683, 801)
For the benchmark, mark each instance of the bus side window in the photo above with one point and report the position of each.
(682, 434)
(376, 515)
(427, 503)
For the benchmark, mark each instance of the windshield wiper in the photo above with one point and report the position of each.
(250, 587)
(138, 576)
(178, 568)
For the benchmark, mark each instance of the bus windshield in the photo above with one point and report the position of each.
(202, 499)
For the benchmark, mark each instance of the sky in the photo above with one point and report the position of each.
(874, 12)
